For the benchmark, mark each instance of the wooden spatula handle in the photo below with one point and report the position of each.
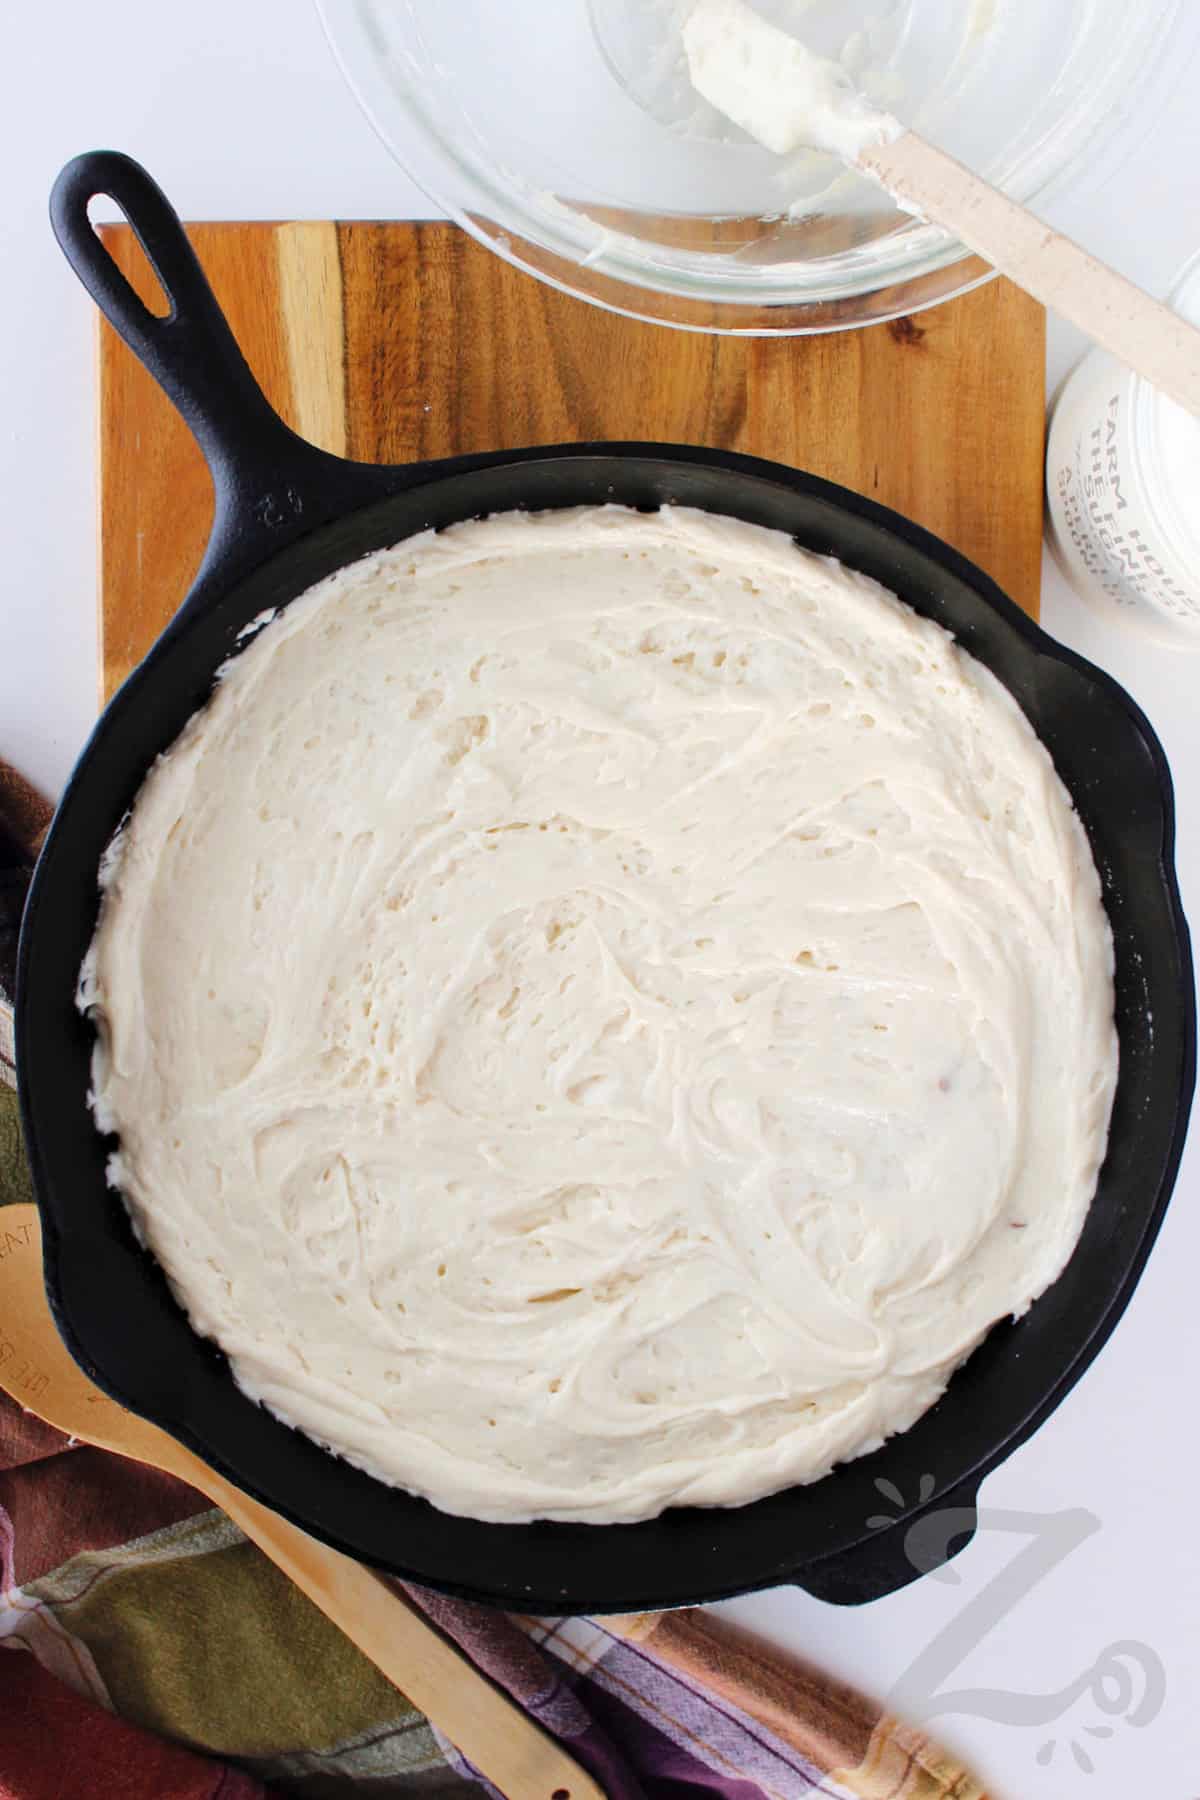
(490, 1730)
(1137, 329)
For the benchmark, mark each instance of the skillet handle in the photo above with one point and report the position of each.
(894, 1556)
(271, 486)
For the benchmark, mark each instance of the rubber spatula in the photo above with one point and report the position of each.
(784, 95)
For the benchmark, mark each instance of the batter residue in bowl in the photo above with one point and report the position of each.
(603, 1010)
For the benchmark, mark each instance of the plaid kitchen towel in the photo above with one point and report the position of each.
(24, 817)
(153, 1652)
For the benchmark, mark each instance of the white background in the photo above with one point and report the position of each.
(239, 110)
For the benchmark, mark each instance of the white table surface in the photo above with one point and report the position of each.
(240, 112)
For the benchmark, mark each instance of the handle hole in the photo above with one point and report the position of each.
(129, 256)
(561, 1794)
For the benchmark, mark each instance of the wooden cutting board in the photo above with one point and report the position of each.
(396, 342)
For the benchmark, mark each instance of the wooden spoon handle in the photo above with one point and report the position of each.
(1137, 329)
(490, 1730)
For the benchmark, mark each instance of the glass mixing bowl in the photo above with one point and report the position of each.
(565, 135)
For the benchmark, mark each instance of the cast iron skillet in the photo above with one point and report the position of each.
(286, 515)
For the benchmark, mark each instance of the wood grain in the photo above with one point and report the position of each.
(395, 342)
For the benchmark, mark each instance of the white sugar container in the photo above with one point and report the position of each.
(1123, 484)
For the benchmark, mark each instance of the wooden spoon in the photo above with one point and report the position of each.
(502, 1742)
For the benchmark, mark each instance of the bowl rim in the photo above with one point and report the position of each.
(909, 278)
